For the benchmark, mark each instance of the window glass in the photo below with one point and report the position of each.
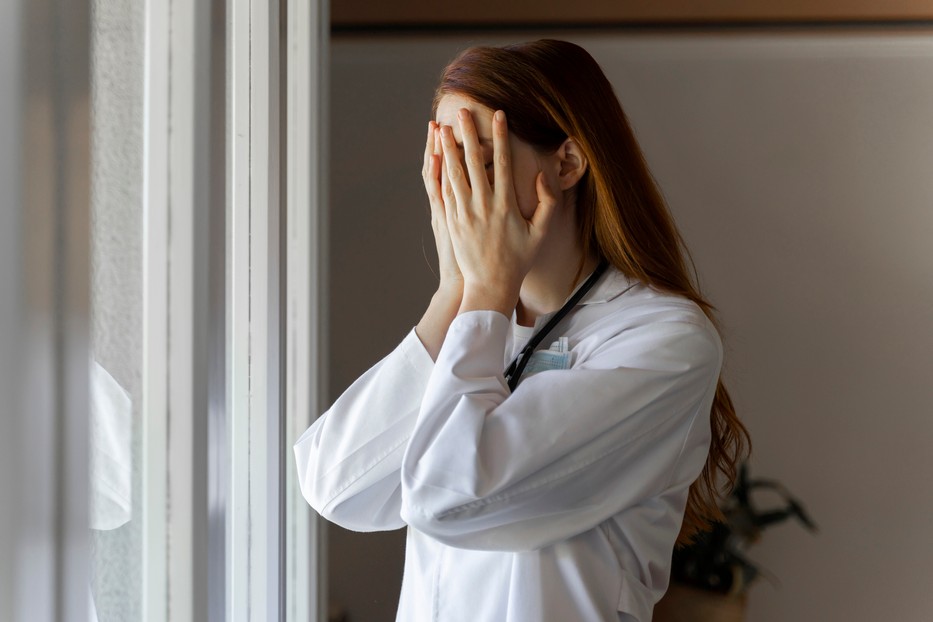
(116, 303)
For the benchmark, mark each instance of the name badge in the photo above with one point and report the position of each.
(558, 356)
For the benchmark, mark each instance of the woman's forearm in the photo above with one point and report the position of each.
(432, 329)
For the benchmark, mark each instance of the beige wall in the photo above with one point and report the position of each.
(350, 13)
(798, 168)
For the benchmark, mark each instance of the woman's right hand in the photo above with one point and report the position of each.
(451, 279)
(432, 329)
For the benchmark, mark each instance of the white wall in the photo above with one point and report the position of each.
(798, 166)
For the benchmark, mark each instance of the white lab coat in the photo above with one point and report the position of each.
(558, 502)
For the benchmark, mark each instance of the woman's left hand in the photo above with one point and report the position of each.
(494, 244)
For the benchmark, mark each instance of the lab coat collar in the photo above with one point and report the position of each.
(611, 285)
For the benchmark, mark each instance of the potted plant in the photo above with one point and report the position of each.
(711, 576)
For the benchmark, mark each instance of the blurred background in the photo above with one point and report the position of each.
(793, 142)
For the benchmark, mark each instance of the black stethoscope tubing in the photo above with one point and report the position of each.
(514, 372)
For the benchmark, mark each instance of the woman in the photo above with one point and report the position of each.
(554, 487)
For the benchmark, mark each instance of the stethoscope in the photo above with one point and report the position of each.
(514, 372)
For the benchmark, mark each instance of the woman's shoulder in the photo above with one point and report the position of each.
(625, 318)
(629, 302)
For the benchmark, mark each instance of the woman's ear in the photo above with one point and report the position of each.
(573, 164)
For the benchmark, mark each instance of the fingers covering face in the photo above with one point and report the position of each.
(456, 179)
(502, 156)
(466, 173)
(428, 150)
(430, 171)
(473, 154)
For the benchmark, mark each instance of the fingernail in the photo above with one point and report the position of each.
(462, 113)
(500, 116)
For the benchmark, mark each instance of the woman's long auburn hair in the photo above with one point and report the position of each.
(551, 90)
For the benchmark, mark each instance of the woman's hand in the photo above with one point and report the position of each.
(494, 244)
(432, 329)
(451, 279)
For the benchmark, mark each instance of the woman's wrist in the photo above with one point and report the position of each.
(445, 303)
(480, 297)
(450, 288)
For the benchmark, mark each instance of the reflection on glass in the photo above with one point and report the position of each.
(111, 464)
(116, 276)
(111, 488)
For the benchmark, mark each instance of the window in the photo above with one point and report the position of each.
(167, 294)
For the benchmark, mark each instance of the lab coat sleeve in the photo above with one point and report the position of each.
(349, 459)
(492, 470)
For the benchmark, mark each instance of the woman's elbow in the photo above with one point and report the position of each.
(474, 530)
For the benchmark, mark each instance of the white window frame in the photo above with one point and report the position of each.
(277, 63)
(254, 397)
(273, 338)
(176, 209)
(306, 200)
